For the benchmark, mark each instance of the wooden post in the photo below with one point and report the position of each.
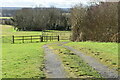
(13, 39)
(46, 38)
(41, 38)
(50, 38)
(58, 38)
(31, 39)
(23, 39)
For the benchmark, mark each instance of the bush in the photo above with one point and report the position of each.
(96, 22)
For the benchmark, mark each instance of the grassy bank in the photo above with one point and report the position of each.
(106, 53)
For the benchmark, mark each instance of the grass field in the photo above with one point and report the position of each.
(106, 53)
(8, 31)
(22, 60)
(27, 60)
(64, 35)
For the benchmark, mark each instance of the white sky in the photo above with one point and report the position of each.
(43, 3)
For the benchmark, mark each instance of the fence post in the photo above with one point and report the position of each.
(23, 39)
(31, 39)
(41, 38)
(13, 39)
(46, 38)
(50, 38)
(58, 38)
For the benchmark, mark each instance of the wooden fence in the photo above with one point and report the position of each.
(64, 35)
(33, 38)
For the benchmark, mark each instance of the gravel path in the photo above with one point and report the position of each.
(53, 65)
(102, 69)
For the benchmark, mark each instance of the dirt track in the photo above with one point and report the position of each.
(53, 64)
(56, 70)
(102, 69)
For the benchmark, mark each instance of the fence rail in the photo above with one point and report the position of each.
(33, 38)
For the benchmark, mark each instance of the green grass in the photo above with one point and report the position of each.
(106, 53)
(73, 64)
(8, 31)
(27, 60)
(5, 17)
(64, 35)
(22, 60)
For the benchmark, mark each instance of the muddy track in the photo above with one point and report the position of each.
(53, 65)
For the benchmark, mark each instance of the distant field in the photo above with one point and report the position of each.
(8, 31)
(106, 53)
(64, 35)
(5, 17)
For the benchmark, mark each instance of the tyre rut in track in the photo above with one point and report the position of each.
(53, 65)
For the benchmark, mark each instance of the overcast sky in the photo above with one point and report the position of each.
(43, 3)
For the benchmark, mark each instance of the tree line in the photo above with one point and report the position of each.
(96, 22)
(38, 19)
